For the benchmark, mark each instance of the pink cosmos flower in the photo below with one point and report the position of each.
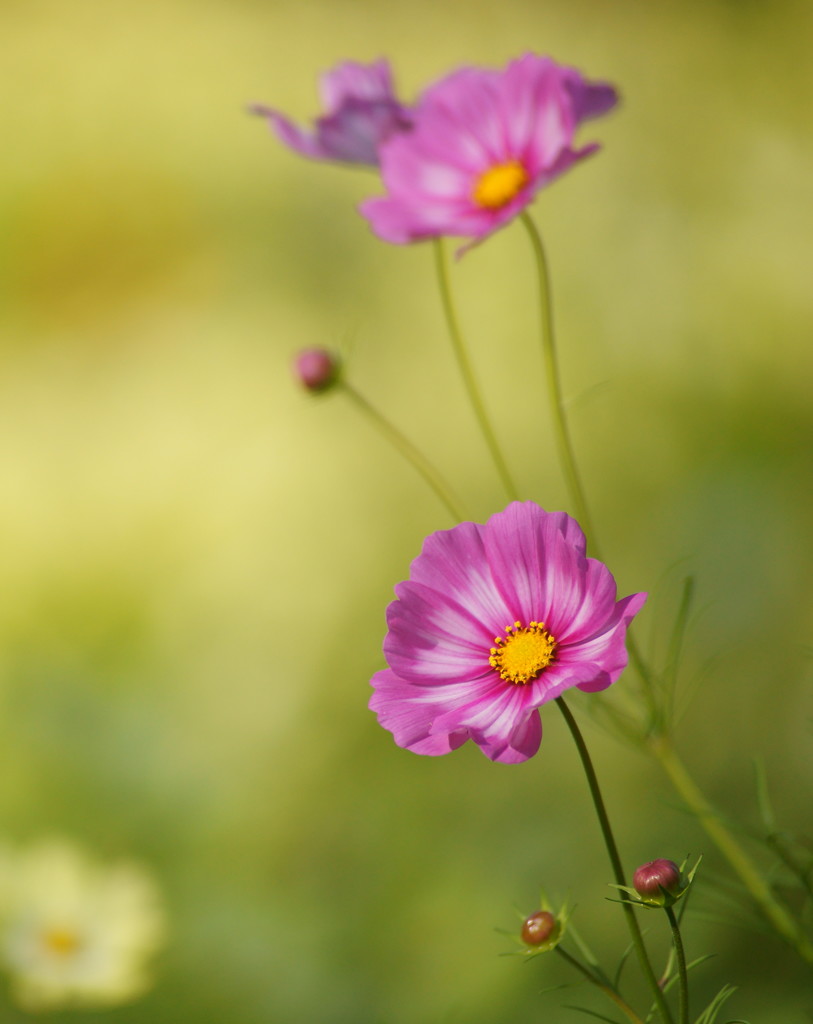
(483, 144)
(495, 621)
(361, 111)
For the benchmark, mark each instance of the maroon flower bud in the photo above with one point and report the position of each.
(538, 928)
(316, 369)
(658, 880)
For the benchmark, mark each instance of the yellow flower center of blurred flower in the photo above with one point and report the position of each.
(523, 653)
(61, 941)
(499, 184)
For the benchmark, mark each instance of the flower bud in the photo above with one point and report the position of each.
(659, 882)
(538, 928)
(316, 369)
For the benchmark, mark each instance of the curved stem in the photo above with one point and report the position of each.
(615, 860)
(408, 450)
(567, 455)
(560, 426)
(466, 371)
(749, 874)
(658, 742)
(609, 992)
(681, 963)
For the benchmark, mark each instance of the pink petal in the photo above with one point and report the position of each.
(497, 709)
(524, 564)
(521, 744)
(432, 639)
(592, 606)
(536, 561)
(405, 712)
(454, 562)
(470, 121)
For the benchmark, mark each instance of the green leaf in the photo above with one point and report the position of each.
(763, 797)
(673, 655)
(591, 1013)
(554, 988)
(709, 1015)
(699, 960)
(621, 964)
(589, 956)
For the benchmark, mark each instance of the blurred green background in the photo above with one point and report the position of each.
(197, 556)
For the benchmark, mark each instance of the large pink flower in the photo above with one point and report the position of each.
(495, 621)
(483, 144)
(361, 110)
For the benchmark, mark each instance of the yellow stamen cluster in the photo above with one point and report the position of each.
(499, 184)
(523, 652)
(61, 941)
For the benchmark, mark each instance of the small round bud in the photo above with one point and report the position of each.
(538, 928)
(657, 879)
(316, 368)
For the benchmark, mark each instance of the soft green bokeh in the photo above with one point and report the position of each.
(197, 557)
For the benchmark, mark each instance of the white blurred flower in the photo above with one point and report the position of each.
(73, 932)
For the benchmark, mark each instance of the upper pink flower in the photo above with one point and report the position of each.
(482, 145)
(495, 621)
(361, 111)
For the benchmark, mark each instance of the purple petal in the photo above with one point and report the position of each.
(362, 111)
(291, 135)
(353, 81)
(590, 99)
(468, 123)
(354, 133)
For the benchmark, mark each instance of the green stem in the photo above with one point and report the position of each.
(408, 450)
(681, 963)
(657, 724)
(657, 742)
(466, 371)
(749, 874)
(609, 992)
(567, 455)
(560, 426)
(615, 860)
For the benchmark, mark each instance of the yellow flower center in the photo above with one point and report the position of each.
(499, 184)
(523, 653)
(61, 941)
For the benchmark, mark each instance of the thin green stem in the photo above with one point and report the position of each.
(560, 426)
(615, 860)
(656, 723)
(609, 992)
(681, 964)
(466, 371)
(749, 874)
(567, 455)
(658, 742)
(418, 461)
